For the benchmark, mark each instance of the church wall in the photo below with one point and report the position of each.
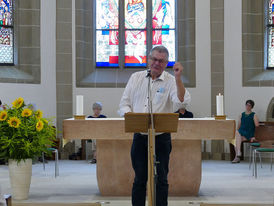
(236, 94)
(201, 99)
(43, 94)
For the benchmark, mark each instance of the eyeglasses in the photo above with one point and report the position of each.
(161, 61)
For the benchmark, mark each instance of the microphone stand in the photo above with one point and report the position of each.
(151, 144)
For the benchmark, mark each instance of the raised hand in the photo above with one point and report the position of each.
(178, 69)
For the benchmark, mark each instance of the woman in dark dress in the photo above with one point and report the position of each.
(246, 128)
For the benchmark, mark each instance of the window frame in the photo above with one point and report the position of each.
(13, 30)
(121, 29)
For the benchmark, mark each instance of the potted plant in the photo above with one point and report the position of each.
(24, 135)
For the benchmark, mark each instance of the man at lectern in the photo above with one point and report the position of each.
(168, 94)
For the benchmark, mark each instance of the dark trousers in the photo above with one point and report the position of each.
(139, 159)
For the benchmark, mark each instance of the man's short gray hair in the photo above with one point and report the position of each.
(97, 105)
(160, 49)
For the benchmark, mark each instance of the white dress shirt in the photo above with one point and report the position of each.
(163, 94)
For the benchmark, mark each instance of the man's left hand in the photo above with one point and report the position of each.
(178, 69)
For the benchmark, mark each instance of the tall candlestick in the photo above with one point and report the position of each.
(220, 104)
(79, 104)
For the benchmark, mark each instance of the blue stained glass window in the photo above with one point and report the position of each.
(107, 48)
(162, 28)
(6, 32)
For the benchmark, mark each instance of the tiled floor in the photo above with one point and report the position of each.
(222, 182)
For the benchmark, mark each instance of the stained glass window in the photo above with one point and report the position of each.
(270, 31)
(135, 14)
(6, 32)
(135, 34)
(135, 30)
(163, 23)
(135, 48)
(107, 35)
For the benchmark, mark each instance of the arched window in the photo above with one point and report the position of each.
(6, 33)
(125, 36)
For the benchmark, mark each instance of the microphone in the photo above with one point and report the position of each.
(148, 73)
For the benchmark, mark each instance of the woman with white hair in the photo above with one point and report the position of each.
(97, 109)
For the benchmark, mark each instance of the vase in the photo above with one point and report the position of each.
(20, 178)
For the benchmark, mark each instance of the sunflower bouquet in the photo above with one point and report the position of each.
(24, 133)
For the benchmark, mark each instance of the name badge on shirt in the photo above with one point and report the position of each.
(159, 95)
(161, 90)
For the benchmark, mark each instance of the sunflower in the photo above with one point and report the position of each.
(3, 115)
(18, 103)
(14, 122)
(39, 114)
(26, 112)
(39, 125)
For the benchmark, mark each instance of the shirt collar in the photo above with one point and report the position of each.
(161, 77)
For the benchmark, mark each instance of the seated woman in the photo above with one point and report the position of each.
(246, 128)
(97, 109)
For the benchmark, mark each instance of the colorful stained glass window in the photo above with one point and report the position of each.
(163, 15)
(135, 48)
(107, 35)
(135, 14)
(270, 40)
(107, 48)
(271, 47)
(271, 12)
(135, 34)
(107, 14)
(6, 32)
(163, 24)
(167, 39)
(6, 12)
(135, 30)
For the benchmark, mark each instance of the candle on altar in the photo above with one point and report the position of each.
(79, 104)
(220, 105)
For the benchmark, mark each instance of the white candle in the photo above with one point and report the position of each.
(79, 104)
(220, 104)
